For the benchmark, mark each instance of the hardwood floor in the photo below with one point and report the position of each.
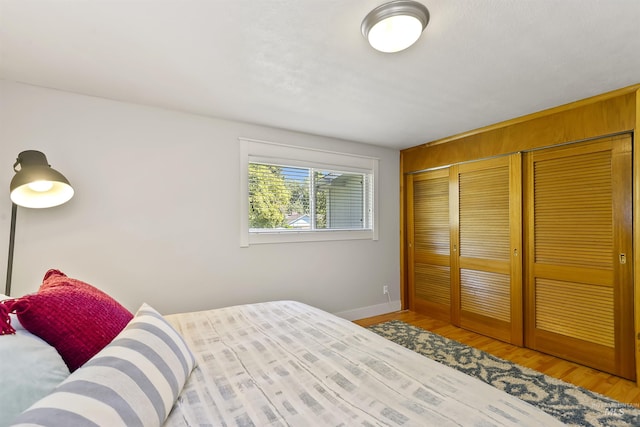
(609, 385)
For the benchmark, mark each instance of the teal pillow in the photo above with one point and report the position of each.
(29, 370)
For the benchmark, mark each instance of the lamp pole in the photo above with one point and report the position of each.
(12, 238)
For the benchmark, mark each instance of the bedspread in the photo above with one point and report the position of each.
(285, 363)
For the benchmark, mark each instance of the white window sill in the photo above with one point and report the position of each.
(258, 238)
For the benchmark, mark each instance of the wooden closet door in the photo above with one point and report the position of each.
(579, 296)
(486, 255)
(428, 243)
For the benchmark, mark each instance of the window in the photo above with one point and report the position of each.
(299, 194)
(284, 198)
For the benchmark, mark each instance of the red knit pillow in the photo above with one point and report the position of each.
(72, 316)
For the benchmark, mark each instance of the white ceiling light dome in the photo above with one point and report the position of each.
(394, 26)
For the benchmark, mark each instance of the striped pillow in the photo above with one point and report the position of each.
(133, 381)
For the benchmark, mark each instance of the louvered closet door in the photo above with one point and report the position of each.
(579, 262)
(487, 266)
(428, 243)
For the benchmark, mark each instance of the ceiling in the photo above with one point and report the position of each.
(303, 65)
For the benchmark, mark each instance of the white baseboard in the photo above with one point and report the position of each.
(370, 311)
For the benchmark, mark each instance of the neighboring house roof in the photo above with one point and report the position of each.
(299, 220)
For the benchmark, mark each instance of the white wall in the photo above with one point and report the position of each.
(155, 216)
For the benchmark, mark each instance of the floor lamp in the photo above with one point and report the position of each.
(35, 185)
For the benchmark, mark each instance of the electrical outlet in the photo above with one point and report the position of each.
(385, 290)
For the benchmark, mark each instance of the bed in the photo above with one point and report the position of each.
(280, 363)
(287, 363)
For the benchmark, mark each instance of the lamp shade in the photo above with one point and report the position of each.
(394, 26)
(36, 184)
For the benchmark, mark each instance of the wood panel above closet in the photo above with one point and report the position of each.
(606, 114)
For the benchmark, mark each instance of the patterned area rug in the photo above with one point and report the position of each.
(570, 404)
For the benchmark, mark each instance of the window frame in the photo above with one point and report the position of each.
(252, 150)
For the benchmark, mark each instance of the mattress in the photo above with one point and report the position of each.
(285, 363)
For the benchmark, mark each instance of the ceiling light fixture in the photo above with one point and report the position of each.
(394, 26)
